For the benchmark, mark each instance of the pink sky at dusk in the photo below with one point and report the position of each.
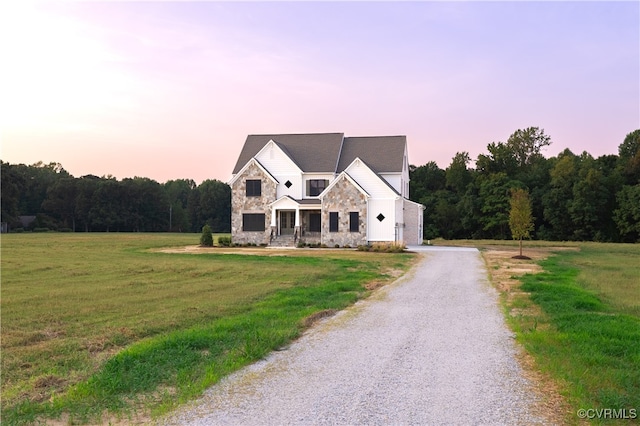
(170, 90)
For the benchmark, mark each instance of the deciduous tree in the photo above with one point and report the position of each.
(520, 217)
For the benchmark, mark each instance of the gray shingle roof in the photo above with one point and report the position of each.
(331, 152)
(312, 152)
(381, 153)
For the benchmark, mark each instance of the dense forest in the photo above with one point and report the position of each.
(573, 196)
(89, 203)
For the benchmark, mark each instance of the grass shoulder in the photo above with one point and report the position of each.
(575, 314)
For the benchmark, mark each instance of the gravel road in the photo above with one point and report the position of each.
(430, 349)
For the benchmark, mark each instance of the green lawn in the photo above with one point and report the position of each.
(101, 323)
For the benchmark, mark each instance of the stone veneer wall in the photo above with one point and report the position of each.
(308, 236)
(344, 198)
(240, 204)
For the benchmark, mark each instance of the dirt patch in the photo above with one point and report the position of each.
(261, 251)
(314, 318)
(505, 271)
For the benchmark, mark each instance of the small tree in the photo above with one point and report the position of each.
(520, 217)
(206, 239)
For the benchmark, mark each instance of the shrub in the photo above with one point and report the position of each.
(41, 229)
(337, 246)
(206, 239)
(384, 247)
(224, 241)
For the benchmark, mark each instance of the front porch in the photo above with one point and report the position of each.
(295, 221)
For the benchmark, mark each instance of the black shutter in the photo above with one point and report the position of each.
(333, 221)
(354, 222)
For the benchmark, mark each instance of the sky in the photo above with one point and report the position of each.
(170, 90)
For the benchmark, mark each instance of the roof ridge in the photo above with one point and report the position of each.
(339, 156)
(295, 134)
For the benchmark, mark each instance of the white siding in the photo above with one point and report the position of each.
(405, 174)
(294, 191)
(394, 179)
(369, 181)
(283, 169)
(381, 230)
(399, 205)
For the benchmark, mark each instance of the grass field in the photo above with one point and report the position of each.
(103, 324)
(580, 320)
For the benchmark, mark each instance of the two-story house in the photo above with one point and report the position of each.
(323, 188)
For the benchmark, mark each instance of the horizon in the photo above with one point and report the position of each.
(172, 90)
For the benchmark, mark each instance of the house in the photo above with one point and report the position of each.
(323, 188)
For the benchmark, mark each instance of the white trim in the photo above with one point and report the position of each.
(293, 203)
(349, 178)
(422, 206)
(388, 187)
(273, 144)
(246, 166)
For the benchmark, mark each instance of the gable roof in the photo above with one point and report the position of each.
(312, 152)
(359, 162)
(383, 154)
(255, 161)
(343, 175)
(281, 148)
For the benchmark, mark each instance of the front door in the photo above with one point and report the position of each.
(287, 222)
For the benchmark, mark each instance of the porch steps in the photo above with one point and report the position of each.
(283, 241)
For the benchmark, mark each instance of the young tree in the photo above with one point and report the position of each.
(520, 218)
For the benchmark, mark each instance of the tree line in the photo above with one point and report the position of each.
(60, 201)
(574, 197)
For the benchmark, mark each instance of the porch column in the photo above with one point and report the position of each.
(273, 217)
(297, 216)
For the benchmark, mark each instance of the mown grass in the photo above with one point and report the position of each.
(97, 325)
(588, 336)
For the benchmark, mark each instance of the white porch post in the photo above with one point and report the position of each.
(273, 216)
(297, 216)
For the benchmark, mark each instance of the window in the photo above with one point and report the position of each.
(316, 186)
(254, 187)
(333, 221)
(354, 222)
(314, 222)
(253, 222)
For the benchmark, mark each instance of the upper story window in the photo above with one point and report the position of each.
(254, 187)
(316, 186)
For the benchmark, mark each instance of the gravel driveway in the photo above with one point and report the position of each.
(431, 348)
